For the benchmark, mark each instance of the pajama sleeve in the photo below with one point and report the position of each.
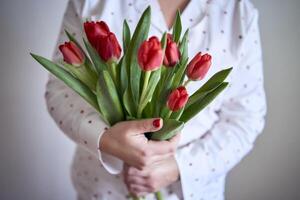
(74, 116)
(241, 119)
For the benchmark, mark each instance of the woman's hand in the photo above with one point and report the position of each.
(152, 178)
(126, 141)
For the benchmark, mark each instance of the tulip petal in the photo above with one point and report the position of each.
(154, 60)
(90, 67)
(99, 64)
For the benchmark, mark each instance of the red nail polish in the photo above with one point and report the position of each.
(156, 123)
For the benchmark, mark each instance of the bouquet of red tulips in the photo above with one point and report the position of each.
(146, 81)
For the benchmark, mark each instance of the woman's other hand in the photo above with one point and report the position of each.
(152, 178)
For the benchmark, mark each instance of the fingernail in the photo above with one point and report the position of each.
(156, 123)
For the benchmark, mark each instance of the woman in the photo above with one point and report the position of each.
(194, 166)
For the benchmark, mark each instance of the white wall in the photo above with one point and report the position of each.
(35, 156)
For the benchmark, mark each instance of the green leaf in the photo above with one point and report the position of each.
(148, 111)
(166, 88)
(123, 75)
(108, 99)
(183, 46)
(72, 38)
(179, 74)
(163, 41)
(99, 64)
(112, 68)
(176, 115)
(217, 79)
(198, 105)
(170, 128)
(140, 34)
(135, 76)
(128, 118)
(126, 36)
(69, 80)
(83, 74)
(128, 102)
(177, 28)
(155, 76)
(165, 112)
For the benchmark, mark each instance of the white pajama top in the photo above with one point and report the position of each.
(214, 141)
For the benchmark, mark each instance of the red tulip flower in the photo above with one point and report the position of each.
(172, 53)
(108, 48)
(177, 99)
(104, 41)
(72, 53)
(95, 30)
(198, 67)
(150, 54)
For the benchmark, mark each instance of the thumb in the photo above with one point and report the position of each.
(146, 125)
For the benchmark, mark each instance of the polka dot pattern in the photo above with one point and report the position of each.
(202, 159)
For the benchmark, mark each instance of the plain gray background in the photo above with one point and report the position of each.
(35, 156)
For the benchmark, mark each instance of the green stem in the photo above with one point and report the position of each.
(138, 198)
(162, 87)
(159, 196)
(186, 82)
(168, 114)
(113, 72)
(144, 90)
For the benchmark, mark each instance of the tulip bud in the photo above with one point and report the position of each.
(172, 53)
(108, 48)
(177, 99)
(104, 41)
(150, 54)
(72, 53)
(95, 30)
(198, 67)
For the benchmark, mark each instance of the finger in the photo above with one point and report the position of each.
(132, 171)
(141, 194)
(165, 147)
(138, 189)
(136, 180)
(145, 125)
(161, 147)
(125, 167)
(175, 139)
(159, 158)
(138, 194)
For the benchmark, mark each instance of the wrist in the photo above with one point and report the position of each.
(108, 145)
(176, 171)
(103, 141)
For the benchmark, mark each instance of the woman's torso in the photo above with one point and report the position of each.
(214, 28)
